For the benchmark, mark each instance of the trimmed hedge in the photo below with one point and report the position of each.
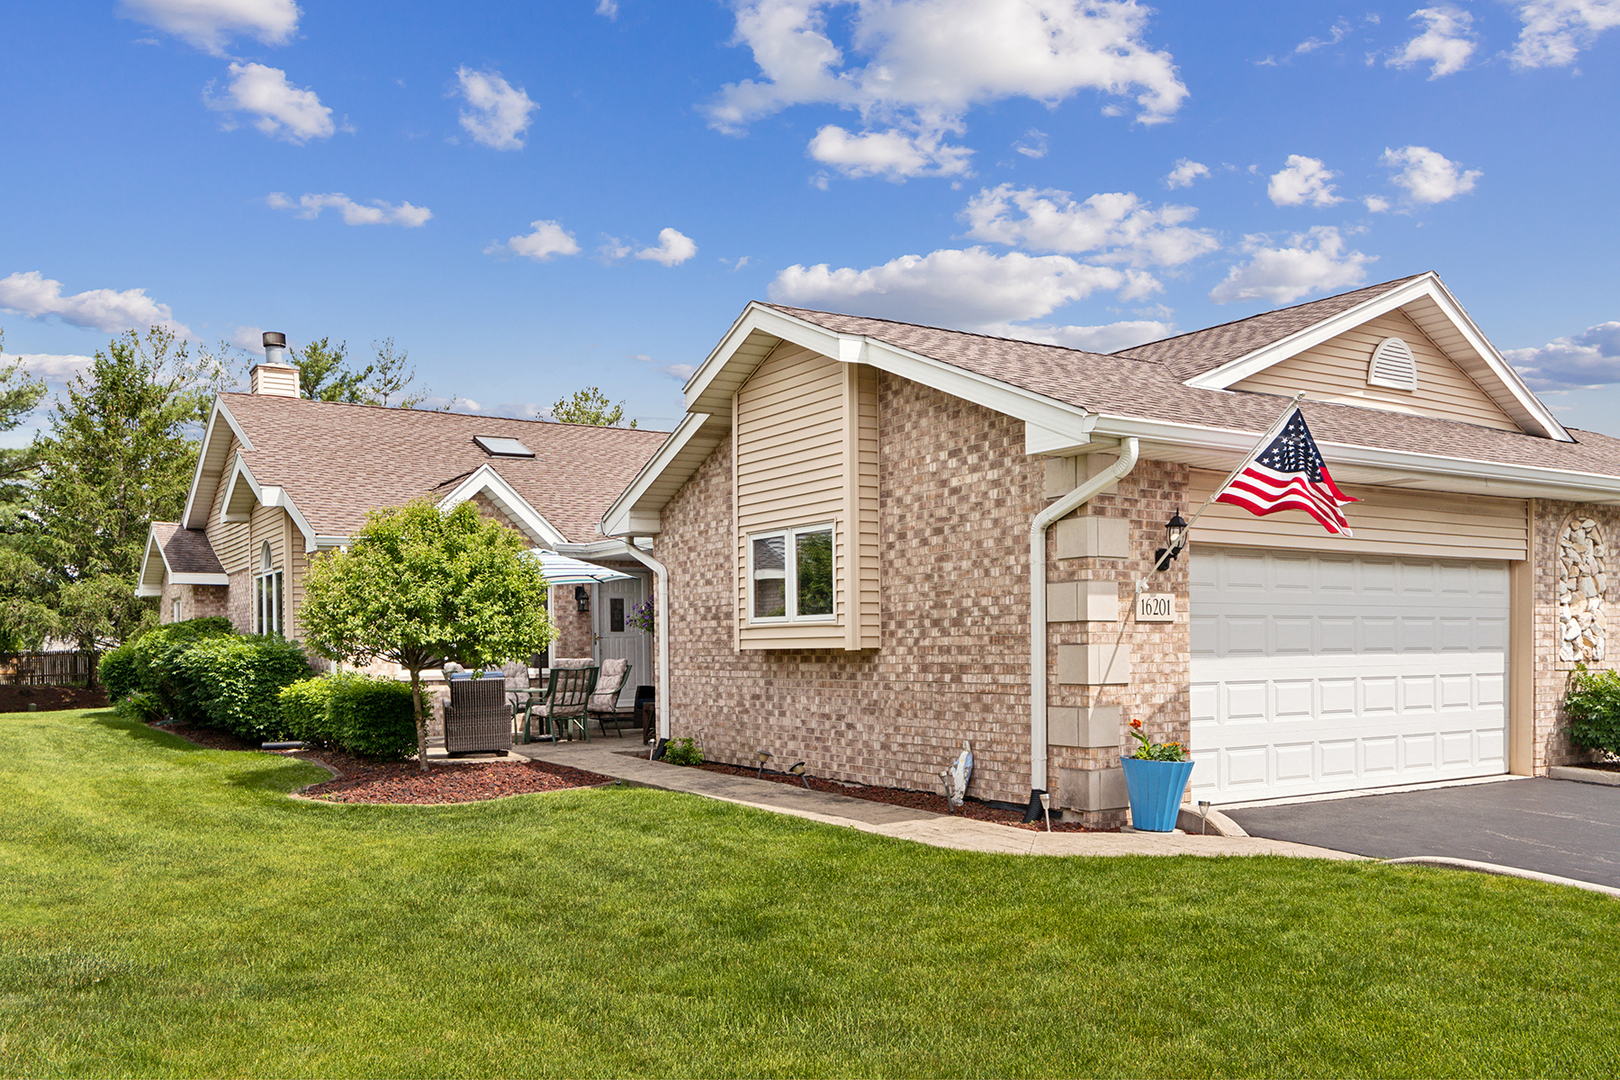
(1593, 707)
(148, 665)
(360, 714)
(235, 682)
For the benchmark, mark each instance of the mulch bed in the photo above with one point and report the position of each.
(15, 698)
(914, 800)
(362, 780)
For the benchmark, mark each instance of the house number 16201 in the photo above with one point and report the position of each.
(1156, 607)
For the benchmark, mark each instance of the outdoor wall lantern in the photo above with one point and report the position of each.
(582, 598)
(1175, 531)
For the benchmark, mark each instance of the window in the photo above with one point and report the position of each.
(501, 446)
(616, 615)
(790, 575)
(174, 610)
(266, 595)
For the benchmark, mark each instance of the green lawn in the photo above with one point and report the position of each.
(166, 910)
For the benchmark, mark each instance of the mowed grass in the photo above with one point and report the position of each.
(167, 910)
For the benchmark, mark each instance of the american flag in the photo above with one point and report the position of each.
(1289, 474)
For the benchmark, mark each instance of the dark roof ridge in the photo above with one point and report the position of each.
(1260, 315)
(433, 412)
(937, 329)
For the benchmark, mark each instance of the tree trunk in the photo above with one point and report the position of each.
(421, 722)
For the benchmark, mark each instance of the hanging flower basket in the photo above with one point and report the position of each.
(1155, 779)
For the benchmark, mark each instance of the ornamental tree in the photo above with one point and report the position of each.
(419, 586)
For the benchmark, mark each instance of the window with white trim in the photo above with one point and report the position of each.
(790, 575)
(267, 592)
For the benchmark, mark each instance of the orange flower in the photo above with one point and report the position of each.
(1136, 724)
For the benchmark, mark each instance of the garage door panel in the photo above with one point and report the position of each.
(1318, 673)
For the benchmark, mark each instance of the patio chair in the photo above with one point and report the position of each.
(477, 718)
(562, 706)
(516, 673)
(604, 703)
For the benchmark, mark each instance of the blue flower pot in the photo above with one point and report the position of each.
(1155, 789)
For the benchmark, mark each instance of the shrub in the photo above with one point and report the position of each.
(142, 705)
(372, 716)
(1593, 707)
(236, 682)
(153, 657)
(369, 716)
(683, 752)
(304, 711)
(118, 672)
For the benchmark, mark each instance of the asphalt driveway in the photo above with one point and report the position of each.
(1551, 826)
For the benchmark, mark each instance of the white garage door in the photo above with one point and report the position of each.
(1315, 673)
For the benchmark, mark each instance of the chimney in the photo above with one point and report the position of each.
(275, 377)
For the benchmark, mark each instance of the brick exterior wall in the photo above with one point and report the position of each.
(575, 636)
(196, 602)
(957, 493)
(1551, 739)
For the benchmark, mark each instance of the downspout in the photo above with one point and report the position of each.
(1037, 604)
(661, 577)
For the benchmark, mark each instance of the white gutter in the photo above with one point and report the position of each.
(661, 577)
(1037, 601)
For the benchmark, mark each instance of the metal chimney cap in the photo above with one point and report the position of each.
(274, 340)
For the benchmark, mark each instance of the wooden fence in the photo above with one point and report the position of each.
(45, 668)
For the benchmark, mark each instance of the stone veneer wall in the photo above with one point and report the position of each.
(1552, 745)
(957, 494)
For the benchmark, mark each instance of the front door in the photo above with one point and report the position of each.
(615, 602)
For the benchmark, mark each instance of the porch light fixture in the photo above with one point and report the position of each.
(582, 598)
(1175, 531)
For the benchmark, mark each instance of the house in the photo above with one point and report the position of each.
(280, 479)
(847, 518)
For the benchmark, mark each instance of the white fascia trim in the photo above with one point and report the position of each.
(237, 472)
(142, 587)
(615, 522)
(597, 549)
(1426, 285)
(1526, 480)
(199, 579)
(148, 590)
(269, 495)
(218, 413)
(502, 494)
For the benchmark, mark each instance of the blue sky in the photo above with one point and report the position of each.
(532, 198)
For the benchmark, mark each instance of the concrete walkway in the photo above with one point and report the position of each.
(608, 757)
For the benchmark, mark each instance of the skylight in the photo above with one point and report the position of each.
(501, 446)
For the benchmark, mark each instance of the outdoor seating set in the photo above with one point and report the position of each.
(485, 714)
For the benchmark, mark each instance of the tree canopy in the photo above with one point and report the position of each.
(20, 395)
(324, 374)
(589, 406)
(418, 586)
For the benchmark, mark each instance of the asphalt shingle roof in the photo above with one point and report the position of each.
(339, 461)
(186, 551)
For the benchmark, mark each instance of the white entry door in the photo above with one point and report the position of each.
(615, 602)
(1316, 672)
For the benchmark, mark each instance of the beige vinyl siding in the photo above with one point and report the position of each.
(1387, 521)
(1336, 370)
(795, 420)
(229, 540)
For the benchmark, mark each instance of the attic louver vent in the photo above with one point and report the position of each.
(1393, 365)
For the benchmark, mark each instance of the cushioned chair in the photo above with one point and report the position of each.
(477, 718)
(604, 704)
(562, 708)
(516, 673)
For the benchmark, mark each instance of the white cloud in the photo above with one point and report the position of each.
(1555, 31)
(1110, 337)
(1312, 262)
(608, 8)
(889, 154)
(1427, 176)
(1447, 41)
(1377, 204)
(672, 250)
(1033, 144)
(1302, 180)
(283, 110)
(378, 213)
(1581, 361)
(54, 368)
(1336, 34)
(1120, 226)
(678, 372)
(211, 24)
(38, 297)
(497, 113)
(1185, 172)
(546, 240)
(965, 288)
(249, 339)
(929, 61)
